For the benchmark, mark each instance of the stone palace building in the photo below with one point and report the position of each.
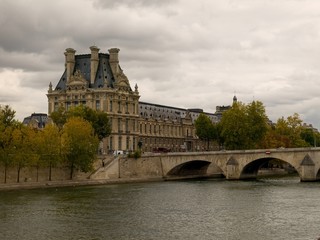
(97, 81)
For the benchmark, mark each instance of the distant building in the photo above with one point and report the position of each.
(36, 120)
(97, 81)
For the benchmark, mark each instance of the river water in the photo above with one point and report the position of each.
(269, 208)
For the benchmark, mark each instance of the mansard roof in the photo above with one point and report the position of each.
(40, 119)
(103, 78)
(157, 111)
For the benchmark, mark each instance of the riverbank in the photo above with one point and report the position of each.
(93, 182)
(72, 183)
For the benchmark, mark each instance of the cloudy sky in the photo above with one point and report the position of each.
(181, 53)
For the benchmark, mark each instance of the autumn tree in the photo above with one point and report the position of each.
(79, 144)
(7, 126)
(290, 130)
(98, 119)
(49, 147)
(25, 153)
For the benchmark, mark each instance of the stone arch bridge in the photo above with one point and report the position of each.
(234, 165)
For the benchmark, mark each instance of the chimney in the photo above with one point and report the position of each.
(94, 63)
(114, 60)
(70, 61)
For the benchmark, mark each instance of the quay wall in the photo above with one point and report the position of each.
(34, 174)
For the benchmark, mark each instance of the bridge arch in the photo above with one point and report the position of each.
(194, 168)
(250, 170)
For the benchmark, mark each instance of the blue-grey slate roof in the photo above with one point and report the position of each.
(82, 62)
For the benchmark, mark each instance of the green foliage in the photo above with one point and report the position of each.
(290, 131)
(101, 125)
(205, 129)
(135, 154)
(311, 137)
(257, 123)
(99, 120)
(234, 127)
(7, 116)
(59, 117)
(244, 126)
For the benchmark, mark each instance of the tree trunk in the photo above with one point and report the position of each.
(50, 167)
(5, 173)
(37, 173)
(18, 177)
(71, 171)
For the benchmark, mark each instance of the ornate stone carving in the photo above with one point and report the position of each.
(122, 82)
(77, 81)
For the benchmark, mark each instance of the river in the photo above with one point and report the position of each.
(269, 208)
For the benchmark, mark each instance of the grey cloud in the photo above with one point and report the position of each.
(131, 3)
(180, 53)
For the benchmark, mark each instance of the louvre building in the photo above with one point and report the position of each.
(97, 81)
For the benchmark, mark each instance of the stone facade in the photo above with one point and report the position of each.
(97, 81)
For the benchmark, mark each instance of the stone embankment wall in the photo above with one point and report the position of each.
(107, 167)
(32, 174)
(140, 168)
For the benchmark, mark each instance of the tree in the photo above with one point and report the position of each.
(49, 147)
(79, 144)
(6, 148)
(244, 126)
(59, 117)
(24, 149)
(7, 126)
(7, 116)
(98, 119)
(273, 139)
(101, 125)
(310, 136)
(257, 123)
(234, 127)
(290, 130)
(205, 129)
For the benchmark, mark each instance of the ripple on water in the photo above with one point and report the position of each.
(215, 209)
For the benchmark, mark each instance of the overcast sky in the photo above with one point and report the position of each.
(187, 53)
